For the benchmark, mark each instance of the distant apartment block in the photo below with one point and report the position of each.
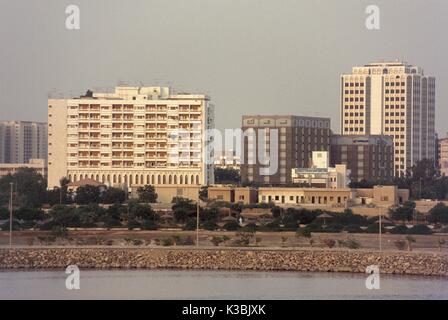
(395, 99)
(298, 137)
(21, 141)
(320, 174)
(131, 137)
(442, 158)
(368, 157)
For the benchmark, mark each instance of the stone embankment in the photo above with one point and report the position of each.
(411, 263)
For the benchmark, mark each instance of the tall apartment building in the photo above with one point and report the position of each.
(442, 156)
(395, 99)
(21, 141)
(369, 158)
(298, 137)
(132, 137)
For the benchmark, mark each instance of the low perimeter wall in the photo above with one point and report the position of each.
(415, 263)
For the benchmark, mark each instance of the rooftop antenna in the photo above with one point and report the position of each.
(121, 83)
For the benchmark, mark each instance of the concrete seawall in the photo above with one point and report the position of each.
(411, 263)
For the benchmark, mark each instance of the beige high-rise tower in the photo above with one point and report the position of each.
(394, 99)
(131, 137)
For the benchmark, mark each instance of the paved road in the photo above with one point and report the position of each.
(123, 238)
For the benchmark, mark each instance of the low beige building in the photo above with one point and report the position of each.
(165, 194)
(221, 193)
(245, 195)
(11, 168)
(381, 196)
(362, 201)
(297, 196)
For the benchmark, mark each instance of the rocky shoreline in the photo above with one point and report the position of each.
(409, 263)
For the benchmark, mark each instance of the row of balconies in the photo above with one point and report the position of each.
(116, 122)
(76, 165)
(120, 145)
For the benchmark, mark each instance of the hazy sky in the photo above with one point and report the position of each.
(250, 56)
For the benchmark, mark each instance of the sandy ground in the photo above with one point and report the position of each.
(265, 239)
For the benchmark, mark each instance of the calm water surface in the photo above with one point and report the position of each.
(239, 285)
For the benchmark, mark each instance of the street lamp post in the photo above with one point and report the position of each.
(197, 223)
(10, 216)
(380, 231)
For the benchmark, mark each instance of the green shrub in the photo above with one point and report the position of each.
(332, 228)
(439, 213)
(330, 243)
(29, 214)
(110, 222)
(59, 232)
(353, 228)
(167, 242)
(251, 227)
(401, 229)
(272, 226)
(133, 224)
(137, 242)
(350, 243)
(314, 226)
(28, 225)
(244, 238)
(190, 224)
(217, 241)
(400, 244)
(440, 243)
(231, 226)
(149, 225)
(303, 232)
(410, 240)
(15, 226)
(209, 225)
(420, 229)
(185, 241)
(47, 240)
(4, 213)
(374, 228)
(349, 218)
